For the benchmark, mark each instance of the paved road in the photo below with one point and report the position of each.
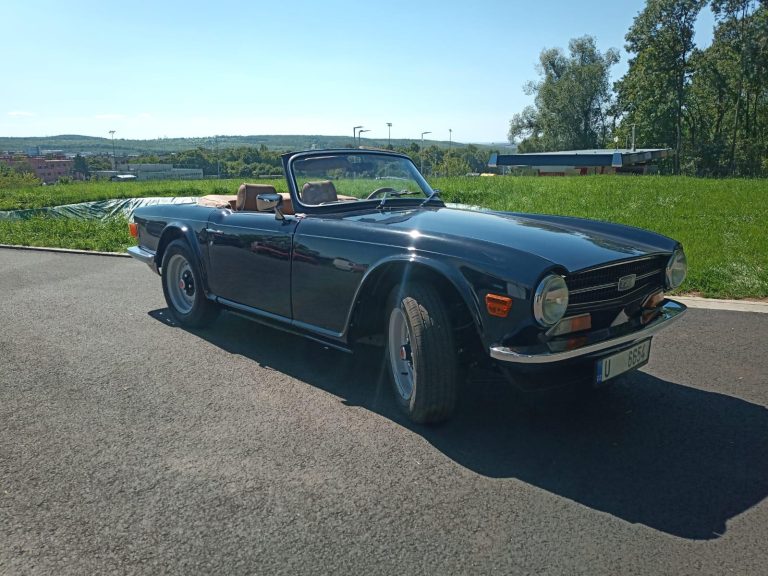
(128, 445)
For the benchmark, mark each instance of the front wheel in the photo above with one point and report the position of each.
(421, 353)
(183, 287)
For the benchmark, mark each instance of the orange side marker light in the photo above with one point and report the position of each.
(133, 228)
(497, 305)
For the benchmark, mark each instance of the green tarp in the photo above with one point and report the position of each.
(99, 210)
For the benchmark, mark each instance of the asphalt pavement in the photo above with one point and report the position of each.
(130, 445)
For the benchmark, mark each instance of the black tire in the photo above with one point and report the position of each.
(420, 349)
(183, 287)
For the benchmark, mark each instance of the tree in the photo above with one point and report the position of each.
(453, 166)
(572, 99)
(96, 163)
(742, 40)
(653, 93)
(12, 178)
(727, 108)
(80, 166)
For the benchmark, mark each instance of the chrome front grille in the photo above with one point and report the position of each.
(599, 288)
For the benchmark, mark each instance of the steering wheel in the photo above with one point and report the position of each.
(379, 191)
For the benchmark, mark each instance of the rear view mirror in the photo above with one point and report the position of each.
(269, 202)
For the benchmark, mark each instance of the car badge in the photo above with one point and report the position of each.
(627, 282)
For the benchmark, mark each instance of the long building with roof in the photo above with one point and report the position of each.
(583, 162)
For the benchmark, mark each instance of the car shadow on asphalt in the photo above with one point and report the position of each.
(671, 457)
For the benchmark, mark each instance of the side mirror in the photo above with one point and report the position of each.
(269, 202)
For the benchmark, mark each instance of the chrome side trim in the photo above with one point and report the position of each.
(146, 256)
(542, 353)
(320, 335)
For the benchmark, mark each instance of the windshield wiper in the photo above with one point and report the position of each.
(395, 194)
(435, 195)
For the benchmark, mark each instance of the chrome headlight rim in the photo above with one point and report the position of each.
(549, 284)
(677, 269)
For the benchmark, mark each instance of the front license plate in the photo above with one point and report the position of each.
(624, 361)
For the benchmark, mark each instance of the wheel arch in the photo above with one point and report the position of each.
(368, 312)
(180, 231)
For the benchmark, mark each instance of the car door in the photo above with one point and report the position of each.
(330, 258)
(250, 259)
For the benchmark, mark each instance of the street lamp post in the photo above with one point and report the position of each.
(389, 134)
(218, 158)
(354, 134)
(114, 159)
(450, 138)
(421, 152)
(359, 137)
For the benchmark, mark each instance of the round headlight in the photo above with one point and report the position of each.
(677, 267)
(550, 300)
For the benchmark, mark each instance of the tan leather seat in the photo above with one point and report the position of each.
(319, 192)
(218, 201)
(247, 193)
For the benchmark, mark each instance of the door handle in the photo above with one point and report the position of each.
(212, 231)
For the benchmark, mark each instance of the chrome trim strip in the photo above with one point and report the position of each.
(614, 284)
(626, 296)
(644, 276)
(593, 288)
(142, 255)
(540, 354)
(621, 263)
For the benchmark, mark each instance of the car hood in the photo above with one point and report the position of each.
(574, 243)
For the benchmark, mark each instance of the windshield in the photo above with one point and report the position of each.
(351, 176)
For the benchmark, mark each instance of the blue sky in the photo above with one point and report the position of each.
(181, 69)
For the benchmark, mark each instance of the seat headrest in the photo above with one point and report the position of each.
(318, 192)
(246, 196)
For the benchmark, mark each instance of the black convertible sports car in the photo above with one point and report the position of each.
(362, 246)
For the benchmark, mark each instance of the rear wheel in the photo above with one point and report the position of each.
(421, 353)
(183, 287)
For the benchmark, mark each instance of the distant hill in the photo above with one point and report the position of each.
(74, 144)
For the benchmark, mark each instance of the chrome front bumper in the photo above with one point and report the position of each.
(589, 344)
(144, 256)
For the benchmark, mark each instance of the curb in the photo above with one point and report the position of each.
(65, 250)
(730, 305)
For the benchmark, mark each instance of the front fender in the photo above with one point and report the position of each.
(406, 265)
(195, 239)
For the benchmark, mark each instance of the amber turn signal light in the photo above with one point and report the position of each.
(133, 228)
(571, 324)
(497, 305)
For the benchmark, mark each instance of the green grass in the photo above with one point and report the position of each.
(111, 236)
(721, 223)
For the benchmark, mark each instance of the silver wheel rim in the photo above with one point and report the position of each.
(400, 354)
(180, 283)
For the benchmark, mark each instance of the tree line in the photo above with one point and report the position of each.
(249, 162)
(709, 105)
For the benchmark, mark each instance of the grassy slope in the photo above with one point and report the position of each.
(721, 223)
